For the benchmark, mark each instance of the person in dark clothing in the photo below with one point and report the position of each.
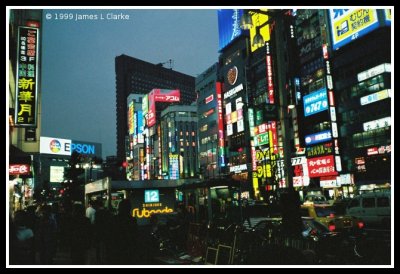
(46, 235)
(102, 224)
(80, 235)
(245, 212)
(21, 241)
(123, 248)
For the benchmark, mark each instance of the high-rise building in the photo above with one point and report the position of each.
(361, 70)
(140, 77)
(175, 150)
(210, 125)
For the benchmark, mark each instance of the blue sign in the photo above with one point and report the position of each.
(228, 26)
(319, 137)
(315, 102)
(151, 196)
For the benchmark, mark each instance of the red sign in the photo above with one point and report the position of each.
(209, 98)
(19, 169)
(166, 95)
(221, 142)
(151, 115)
(269, 80)
(261, 129)
(321, 166)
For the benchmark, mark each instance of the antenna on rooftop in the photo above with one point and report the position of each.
(169, 63)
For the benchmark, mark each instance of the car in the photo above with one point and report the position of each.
(328, 216)
(374, 208)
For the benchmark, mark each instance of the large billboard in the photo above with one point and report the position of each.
(228, 26)
(258, 20)
(27, 77)
(350, 24)
(55, 146)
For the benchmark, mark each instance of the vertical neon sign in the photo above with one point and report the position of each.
(270, 82)
(221, 143)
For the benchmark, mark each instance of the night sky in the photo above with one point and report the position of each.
(78, 62)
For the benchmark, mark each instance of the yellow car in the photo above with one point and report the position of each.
(326, 214)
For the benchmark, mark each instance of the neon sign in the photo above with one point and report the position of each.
(145, 213)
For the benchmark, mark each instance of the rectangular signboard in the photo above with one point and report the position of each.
(56, 146)
(321, 166)
(27, 77)
(315, 102)
(350, 24)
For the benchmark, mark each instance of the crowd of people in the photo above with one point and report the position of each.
(37, 233)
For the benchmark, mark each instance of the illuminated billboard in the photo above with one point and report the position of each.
(350, 24)
(131, 121)
(315, 102)
(55, 146)
(321, 166)
(145, 104)
(166, 95)
(319, 150)
(319, 137)
(56, 174)
(228, 26)
(151, 114)
(27, 77)
(174, 166)
(138, 136)
(270, 81)
(221, 142)
(259, 19)
(151, 196)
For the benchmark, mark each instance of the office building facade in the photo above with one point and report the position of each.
(140, 77)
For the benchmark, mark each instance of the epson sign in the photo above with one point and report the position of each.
(83, 148)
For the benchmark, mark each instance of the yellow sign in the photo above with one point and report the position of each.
(145, 213)
(259, 19)
(349, 24)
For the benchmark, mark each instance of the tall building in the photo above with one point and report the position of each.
(140, 77)
(361, 70)
(319, 128)
(176, 153)
(210, 124)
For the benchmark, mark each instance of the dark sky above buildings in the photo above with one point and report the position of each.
(78, 61)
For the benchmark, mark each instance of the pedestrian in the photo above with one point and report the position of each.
(21, 241)
(123, 248)
(245, 212)
(80, 235)
(91, 211)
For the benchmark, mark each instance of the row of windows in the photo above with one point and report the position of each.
(363, 88)
(366, 113)
(370, 202)
(351, 70)
(375, 137)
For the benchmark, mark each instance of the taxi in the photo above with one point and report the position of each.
(327, 215)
